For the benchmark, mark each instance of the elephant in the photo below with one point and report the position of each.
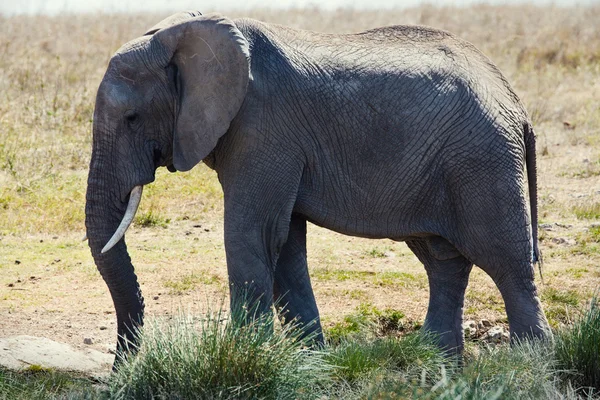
(402, 132)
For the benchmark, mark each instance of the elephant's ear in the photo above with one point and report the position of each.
(212, 60)
(172, 20)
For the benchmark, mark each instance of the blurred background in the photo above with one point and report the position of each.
(75, 6)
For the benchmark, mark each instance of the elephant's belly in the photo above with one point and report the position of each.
(359, 223)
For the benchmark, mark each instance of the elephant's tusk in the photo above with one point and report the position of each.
(83, 239)
(134, 201)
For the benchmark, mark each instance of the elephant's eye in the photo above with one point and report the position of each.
(131, 117)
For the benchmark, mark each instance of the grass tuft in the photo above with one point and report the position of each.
(151, 218)
(578, 350)
(190, 282)
(358, 360)
(42, 383)
(215, 357)
(368, 320)
(587, 210)
(565, 297)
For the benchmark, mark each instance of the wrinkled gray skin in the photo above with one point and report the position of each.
(402, 132)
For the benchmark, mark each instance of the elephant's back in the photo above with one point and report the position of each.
(398, 55)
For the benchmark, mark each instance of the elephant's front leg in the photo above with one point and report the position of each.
(448, 273)
(258, 210)
(250, 269)
(293, 292)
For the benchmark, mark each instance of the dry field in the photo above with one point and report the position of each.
(50, 69)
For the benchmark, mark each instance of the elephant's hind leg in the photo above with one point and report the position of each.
(448, 274)
(515, 280)
(292, 288)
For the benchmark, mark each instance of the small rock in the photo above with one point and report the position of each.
(188, 233)
(17, 262)
(568, 242)
(546, 227)
(54, 237)
(470, 328)
(196, 238)
(23, 351)
(32, 277)
(566, 226)
(18, 281)
(206, 230)
(155, 297)
(496, 334)
(484, 324)
(198, 226)
(41, 240)
(11, 285)
(103, 328)
(88, 340)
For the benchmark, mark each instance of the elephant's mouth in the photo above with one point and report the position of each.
(134, 201)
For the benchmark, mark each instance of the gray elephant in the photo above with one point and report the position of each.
(403, 132)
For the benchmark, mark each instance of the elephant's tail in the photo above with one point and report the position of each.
(530, 160)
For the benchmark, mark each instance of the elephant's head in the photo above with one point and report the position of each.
(165, 100)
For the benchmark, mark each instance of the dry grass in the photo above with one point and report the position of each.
(49, 73)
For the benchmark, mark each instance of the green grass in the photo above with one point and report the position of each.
(560, 305)
(41, 383)
(357, 360)
(151, 218)
(587, 210)
(577, 272)
(215, 357)
(592, 168)
(190, 282)
(386, 279)
(566, 297)
(578, 350)
(376, 253)
(366, 320)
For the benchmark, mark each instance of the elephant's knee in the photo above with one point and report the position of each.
(441, 249)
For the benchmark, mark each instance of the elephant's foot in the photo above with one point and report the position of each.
(448, 334)
(526, 319)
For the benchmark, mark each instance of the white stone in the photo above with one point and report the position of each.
(470, 328)
(19, 352)
(496, 334)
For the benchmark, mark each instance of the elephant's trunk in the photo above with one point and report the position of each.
(104, 213)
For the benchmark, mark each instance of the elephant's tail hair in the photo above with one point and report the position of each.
(530, 160)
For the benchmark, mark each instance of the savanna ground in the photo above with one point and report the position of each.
(50, 68)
